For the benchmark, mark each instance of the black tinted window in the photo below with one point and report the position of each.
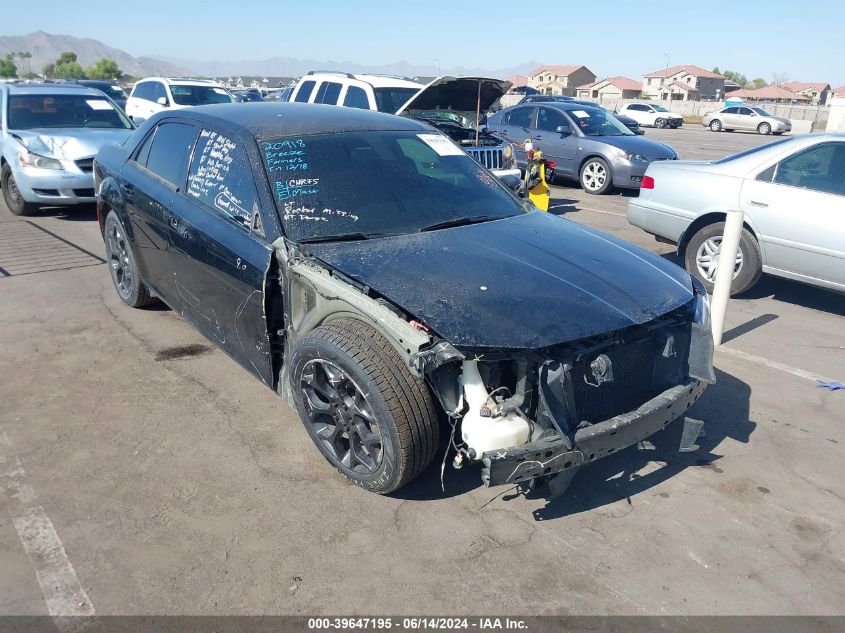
(220, 176)
(144, 90)
(356, 98)
(521, 117)
(304, 91)
(170, 151)
(158, 91)
(730, 111)
(821, 168)
(549, 119)
(328, 92)
(27, 112)
(143, 152)
(745, 111)
(377, 183)
(391, 99)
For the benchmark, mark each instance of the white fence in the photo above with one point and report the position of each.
(816, 113)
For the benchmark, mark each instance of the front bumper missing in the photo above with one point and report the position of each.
(563, 454)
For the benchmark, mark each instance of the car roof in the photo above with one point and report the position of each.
(189, 81)
(376, 81)
(51, 89)
(565, 105)
(268, 119)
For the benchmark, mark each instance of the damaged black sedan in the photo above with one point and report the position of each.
(389, 288)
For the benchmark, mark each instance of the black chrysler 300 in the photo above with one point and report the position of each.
(389, 288)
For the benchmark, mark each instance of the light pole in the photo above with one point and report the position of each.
(438, 66)
(667, 59)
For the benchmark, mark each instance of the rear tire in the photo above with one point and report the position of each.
(369, 417)
(12, 195)
(715, 125)
(123, 266)
(595, 176)
(701, 258)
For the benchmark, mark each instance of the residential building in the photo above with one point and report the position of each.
(771, 94)
(611, 88)
(518, 80)
(684, 83)
(819, 93)
(560, 80)
(838, 92)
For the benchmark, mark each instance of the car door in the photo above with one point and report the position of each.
(730, 118)
(516, 126)
(219, 256)
(745, 119)
(798, 207)
(149, 180)
(556, 146)
(633, 110)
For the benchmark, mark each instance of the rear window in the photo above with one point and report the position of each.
(391, 99)
(27, 112)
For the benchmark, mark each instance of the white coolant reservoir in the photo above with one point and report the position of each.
(483, 434)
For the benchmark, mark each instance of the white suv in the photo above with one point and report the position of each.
(368, 92)
(652, 115)
(154, 94)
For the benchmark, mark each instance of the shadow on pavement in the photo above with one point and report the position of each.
(724, 407)
(795, 292)
(72, 213)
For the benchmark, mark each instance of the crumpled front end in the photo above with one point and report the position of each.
(538, 413)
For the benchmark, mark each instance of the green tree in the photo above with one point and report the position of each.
(736, 77)
(7, 67)
(759, 83)
(49, 70)
(66, 58)
(104, 69)
(69, 70)
(716, 70)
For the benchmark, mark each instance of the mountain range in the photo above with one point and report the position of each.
(46, 48)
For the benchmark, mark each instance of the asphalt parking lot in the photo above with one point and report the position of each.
(143, 472)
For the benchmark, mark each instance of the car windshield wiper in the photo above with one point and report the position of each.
(341, 237)
(476, 219)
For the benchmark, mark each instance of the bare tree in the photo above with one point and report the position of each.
(778, 79)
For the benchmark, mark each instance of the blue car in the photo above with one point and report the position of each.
(587, 143)
(49, 135)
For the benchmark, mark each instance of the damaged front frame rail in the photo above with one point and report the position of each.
(563, 454)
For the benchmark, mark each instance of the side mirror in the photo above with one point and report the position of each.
(512, 182)
(162, 101)
(563, 130)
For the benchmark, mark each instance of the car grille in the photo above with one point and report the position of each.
(632, 368)
(85, 164)
(490, 158)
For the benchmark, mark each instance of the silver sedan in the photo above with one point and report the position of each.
(746, 118)
(792, 192)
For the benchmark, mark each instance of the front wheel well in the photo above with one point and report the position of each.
(594, 155)
(702, 221)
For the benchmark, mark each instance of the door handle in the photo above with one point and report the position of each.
(758, 203)
(537, 136)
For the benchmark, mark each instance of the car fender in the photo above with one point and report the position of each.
(711, 216)
(594, 152)
(110, 198)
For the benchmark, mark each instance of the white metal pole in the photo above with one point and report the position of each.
(725, 272)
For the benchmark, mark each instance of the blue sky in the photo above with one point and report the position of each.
(626, 38)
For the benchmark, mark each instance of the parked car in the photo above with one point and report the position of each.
(154, 94)
(746, 118)
(540, 98)
(248, 95)
(49, 135)
(111, 89)
(369, 272)
(652, 115)
(628, 122)
(449, 104)
(792, 192)
(586, 143)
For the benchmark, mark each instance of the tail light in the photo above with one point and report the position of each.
(551, 164)
(647, 183)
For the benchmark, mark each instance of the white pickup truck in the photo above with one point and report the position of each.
(652, 115)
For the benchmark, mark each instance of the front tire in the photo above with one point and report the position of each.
(715, 125)
(595, 176)
(702, 258)
(12, 195)
(660, 123)
(369, 417)
(123, 266)
(764, 129)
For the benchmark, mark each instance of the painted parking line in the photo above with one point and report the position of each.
(59, 584)
(789, 369)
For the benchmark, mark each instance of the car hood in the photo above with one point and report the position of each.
(457, 94)
(525, 282)
(70, 144)
(637, 145)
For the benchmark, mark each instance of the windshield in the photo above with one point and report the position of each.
(199, 95)
(115, 92)
(595, 122)
(378, 183)
(753, 150)
(761, 112)
(658, 108)
(389, 100)
(27, 112)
